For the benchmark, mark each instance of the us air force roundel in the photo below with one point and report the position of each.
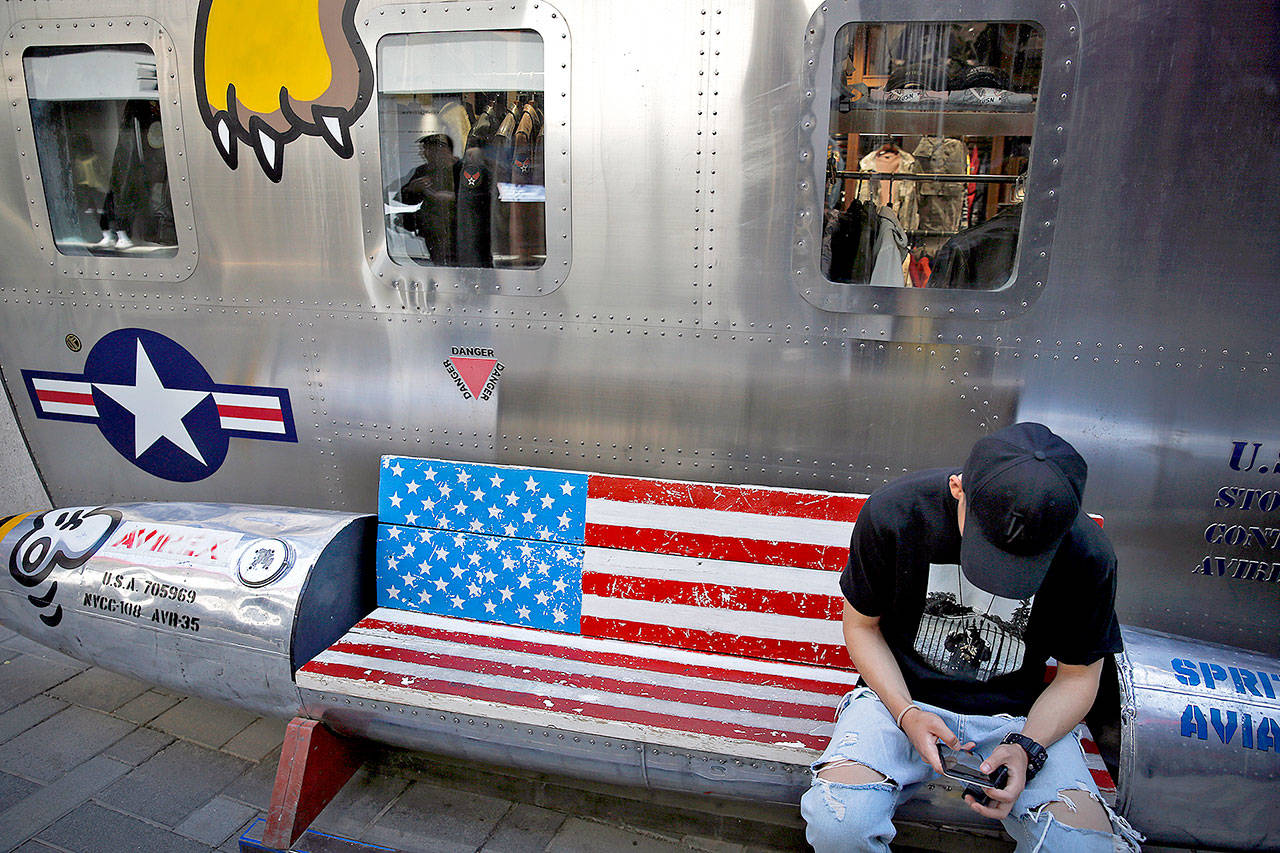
(158, 407)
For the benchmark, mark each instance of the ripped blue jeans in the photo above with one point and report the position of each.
(844, 817)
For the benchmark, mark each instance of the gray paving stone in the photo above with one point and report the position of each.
(14, 790)
(23, 676)
(173, 783)
(440, 819)
(207, 723)
(253, 787)
(148, 706)
(215, 821)
(232, 844)
(258, 739)
(583, 836)
(51, 802)
(73, 735)
(524, 827)
(137, 746)
(20, 645)
(93, 829)
(362, 799)
(99, 689)
(19, 718)
(36, 847)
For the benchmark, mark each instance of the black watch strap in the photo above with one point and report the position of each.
(1037, 755)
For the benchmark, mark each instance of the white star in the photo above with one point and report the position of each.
(544, 533)
(397, 468)
(464, 477)
(457, 601)
(157, 411)
(528, 516)
(393, 592)
(445, 491)
(488, 575)
(410, 517)
(457, 570)
(459, 539)
(478, 493)
(495, 481)
(563, 519)
(476, 525)
(409, 549)
(512, 498)
(441, 554)
(489, 606)
(506, 593)
(522, 612)
(474, 558)
(526, 551)
(474, 590)
(543, 598)
(393, 532)
(560, 585)
(547, 501)
(509, 529)
(396, 500)
(441, 584)
(491, 544)
(531, 485)
(460, 508)
(524, 580)
(495, 512)
(566, 487)
(558, 615)
(424, 597)
(543, 568)
(424, 535)
(393, 563)
(429, 474)
(407, 578)
(412, 487)
(428, 504)
(563, 554)
(508, 564)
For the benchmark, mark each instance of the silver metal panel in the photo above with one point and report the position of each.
(154, 591)
(1199, 741)
(679, 344)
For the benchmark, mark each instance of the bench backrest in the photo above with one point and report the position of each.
(743, 570)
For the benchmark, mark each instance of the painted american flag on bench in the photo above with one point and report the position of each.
(728, 569)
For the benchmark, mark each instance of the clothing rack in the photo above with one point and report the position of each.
(916, 176)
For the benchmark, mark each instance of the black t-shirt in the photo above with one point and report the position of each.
(961, 648)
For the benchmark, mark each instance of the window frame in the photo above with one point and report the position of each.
(377, 22)
(1061, 27)
(105, 32)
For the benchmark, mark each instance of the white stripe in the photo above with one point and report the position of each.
(72, 386)
(715, 522)
(788, 753)
(479, 651)
(257, 401)
(621, 647)
(254, 425)
(88, 411)
(609, 561)
(557, 696)
(736, 622)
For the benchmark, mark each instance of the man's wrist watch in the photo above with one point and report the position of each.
(1037, 755)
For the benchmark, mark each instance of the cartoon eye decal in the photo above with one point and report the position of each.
(59, 538)
(268, 73)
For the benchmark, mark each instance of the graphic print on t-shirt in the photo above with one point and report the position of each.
(968, 633)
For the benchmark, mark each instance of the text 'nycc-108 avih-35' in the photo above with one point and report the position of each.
(504, 380)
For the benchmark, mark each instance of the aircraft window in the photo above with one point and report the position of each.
(99, 139)
(461, 117)
(929, 140)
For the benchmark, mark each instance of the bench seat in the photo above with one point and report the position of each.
(739, 707)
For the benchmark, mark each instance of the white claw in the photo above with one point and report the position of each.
(335, 134)
(223, 137)
(267, 146)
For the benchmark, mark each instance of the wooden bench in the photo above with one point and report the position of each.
(699, 618)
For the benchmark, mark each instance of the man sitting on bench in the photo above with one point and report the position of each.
(960, 586)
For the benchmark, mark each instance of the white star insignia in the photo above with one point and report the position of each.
(495, 481)
(529, 516)
(428, 504)
(542, 598)
(564, 520)
(157, 411)
(495, 512)
(395, 500)
(531, 485)
(410, 517)
(393, 532)
(547, 501)
(457, 601)
(393, 592)
(489, 606)
(559, 616)
(512, 498)
(445, 491)
(478, 494)
(463, 477)
(457, 570)
(524, 580)
(566, 487)
(397, 469)
(429, 474)
(441, 584)
(412, 487)
(509, 529)
(506, 593)
(522, 612)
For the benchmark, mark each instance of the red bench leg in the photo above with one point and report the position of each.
(314, 765)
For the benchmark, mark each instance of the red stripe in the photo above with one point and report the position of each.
(539, 676)
(776, 502)
(79, 398)
(1103, 780)
(250, 412)
(608, 713)
(1089, 746)
(767, 648)
(807, 605)
(708, 547)
(831, 688)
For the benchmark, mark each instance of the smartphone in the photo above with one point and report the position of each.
(966, 767)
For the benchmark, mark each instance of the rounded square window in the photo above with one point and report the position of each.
(461, 118)
(929, 141)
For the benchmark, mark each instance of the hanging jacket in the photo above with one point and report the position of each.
(900, 195)
(982, 257)
(940, 204)
(889, 252)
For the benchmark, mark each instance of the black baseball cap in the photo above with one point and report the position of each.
(1023, 487)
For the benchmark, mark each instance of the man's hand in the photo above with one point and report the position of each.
(1002, 799)
(924, 729)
